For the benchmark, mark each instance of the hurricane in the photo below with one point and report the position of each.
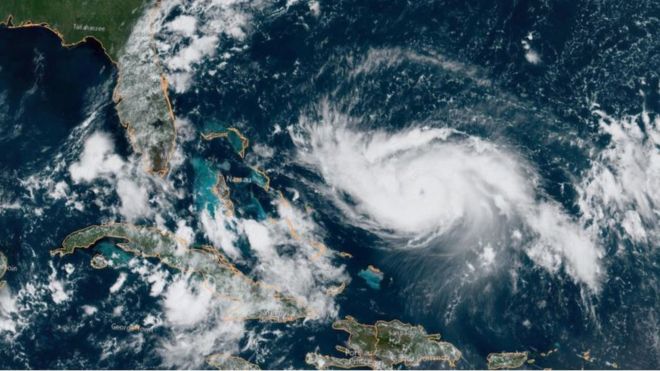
(275, 184)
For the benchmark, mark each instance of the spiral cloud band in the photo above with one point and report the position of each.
(436, 184)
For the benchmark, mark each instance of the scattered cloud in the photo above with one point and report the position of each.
(119, 283)
(97, 159)
(184, 24)
(185, 305)
(134, 199)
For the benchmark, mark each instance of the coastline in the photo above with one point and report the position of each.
(164, 87)
(45, 25)
(116, 96)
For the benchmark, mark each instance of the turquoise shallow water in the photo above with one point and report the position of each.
(113, 254)
(205, 179)
(441, 64)
(373, 279)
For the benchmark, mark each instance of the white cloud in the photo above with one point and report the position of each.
(184, 24)
(195, 33)
(193, 53)
(418, 185)
(308, 273)
(185, 306)
(151, 321)
(531, 55)
(119, 283)
(134, 199)
(8, 307)
(218, 230)
(58, 293)
(97, 159)
(314, 7)
(20, 310)
(184, 234)
(158, 280)
(90, 309)
(559, 240)
(621, 188)
(60, 191)
(487, 256)
(69, 269)
(417, 181)
(140, 194)
(259, 237)
(633, 226)
(383, 58)
(188, 348)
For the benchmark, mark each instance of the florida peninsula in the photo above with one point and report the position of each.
(141, 93)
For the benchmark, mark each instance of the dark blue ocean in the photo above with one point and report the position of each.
(462, 64)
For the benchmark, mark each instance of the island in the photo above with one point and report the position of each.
(247, 299)
(385, 345)
(236, 139)
(372, 276)
(99, 262)
(222, 361)
(109, 22)
(221, 191)
(506, 360)
(3, 268)
(260, 178)
(256, 176)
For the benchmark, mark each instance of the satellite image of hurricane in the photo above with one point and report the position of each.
(330, 184)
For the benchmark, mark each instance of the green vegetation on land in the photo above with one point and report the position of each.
(385, 345)
(237, 140)
(109, 21)
(141, 95)
(226, 362)
(260, 178)
(247, 299)
(98, 262)
(507, 360)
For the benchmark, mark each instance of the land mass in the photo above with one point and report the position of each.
(99, 262)
(385, 345)
(141, 96)
(237, 140)
(222, 361)
(246, 298)
(110, 22)
(125, 30)
(372, 276)
(506, 360)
